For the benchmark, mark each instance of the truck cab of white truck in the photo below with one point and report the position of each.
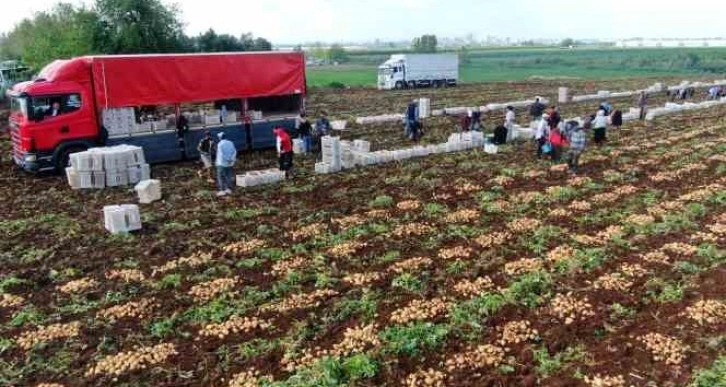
(418, 70)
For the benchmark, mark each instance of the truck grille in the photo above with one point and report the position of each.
(15, 136)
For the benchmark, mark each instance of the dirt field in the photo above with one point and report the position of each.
(464, 269)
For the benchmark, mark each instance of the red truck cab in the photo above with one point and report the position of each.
(43, 136)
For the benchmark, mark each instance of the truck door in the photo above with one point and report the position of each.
(60, 118)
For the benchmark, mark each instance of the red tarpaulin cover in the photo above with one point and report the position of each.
(135, 80)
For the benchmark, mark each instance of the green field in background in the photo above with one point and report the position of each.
(506, 65)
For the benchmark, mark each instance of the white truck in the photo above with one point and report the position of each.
(418, 70)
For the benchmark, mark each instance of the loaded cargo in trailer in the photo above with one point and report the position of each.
(139, 100)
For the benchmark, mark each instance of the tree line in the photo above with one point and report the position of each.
(113, 27)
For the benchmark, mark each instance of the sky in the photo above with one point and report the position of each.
(300, 21)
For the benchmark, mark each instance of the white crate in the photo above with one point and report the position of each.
(99, 179)
(338, 124)
(85, 179)
(134, 174)
(160, 125)
(111, 160)
(97, 162)
(211, 120)
(424, 107)
(133, 216)
(362, 146)
(114, 219)
(122, 219)
(491, 148)
(81, 161)
(117, 177)
(144, 127)
(145, 172)
(298, 146)
(136, 156)
(323, 168)
(74, 180)
(148, 191)
(562, 95)
(231, 117)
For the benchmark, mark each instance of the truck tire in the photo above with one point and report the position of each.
(411, 84)
(399, 85)
(63, 157)
(436, 84)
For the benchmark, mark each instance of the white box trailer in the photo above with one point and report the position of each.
(418, 70)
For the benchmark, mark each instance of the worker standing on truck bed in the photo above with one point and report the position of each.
(226, 157)
(182, 128)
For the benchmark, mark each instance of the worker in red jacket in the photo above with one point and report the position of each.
(284, 151)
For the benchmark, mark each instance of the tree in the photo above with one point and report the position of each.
(425, 43)
(464, 55)
(336, 53)
(139, 26)
(262, 44)
(569, 42)
(112, 27)
(62, 32)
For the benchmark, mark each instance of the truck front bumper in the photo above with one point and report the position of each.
(34, 162)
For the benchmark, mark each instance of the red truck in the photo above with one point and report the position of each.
(72, 104)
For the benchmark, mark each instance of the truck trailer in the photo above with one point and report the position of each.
(418, 70)
(90, 101)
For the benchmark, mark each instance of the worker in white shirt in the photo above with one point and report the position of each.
(509, 120)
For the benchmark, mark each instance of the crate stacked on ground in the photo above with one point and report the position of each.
(298, 146)
(107, 167)
(122, 218)
(255, 178)
(424, 107)
(332, 157)
(347, 158)
(149, 191)
(362, 156)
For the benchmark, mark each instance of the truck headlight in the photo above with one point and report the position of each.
(31, 158)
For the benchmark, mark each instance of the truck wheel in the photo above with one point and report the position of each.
(411, 85)
(399, 85)
(61, 162)
(437, 84)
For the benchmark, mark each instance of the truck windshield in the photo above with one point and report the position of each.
(386, 70)
(19, 105)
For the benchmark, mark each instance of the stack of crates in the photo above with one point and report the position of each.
(107, 167)
(347, 159)
(332, 157)
(119, 121)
